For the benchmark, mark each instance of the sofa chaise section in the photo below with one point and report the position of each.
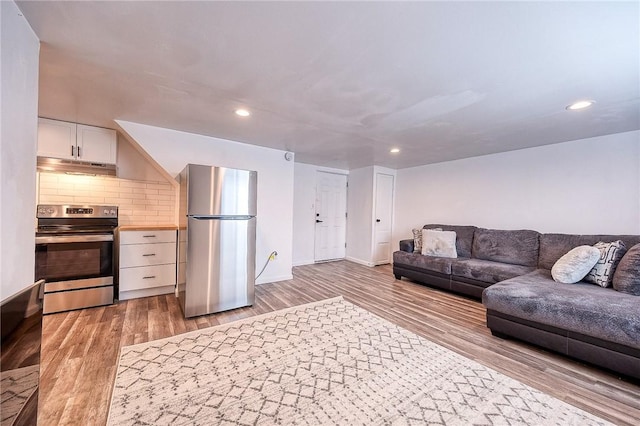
(582, 320)
(510, 271)
(597, 325)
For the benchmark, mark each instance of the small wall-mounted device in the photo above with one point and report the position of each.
(288, 156)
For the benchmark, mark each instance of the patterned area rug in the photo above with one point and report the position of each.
(323, 363)
(17, 387)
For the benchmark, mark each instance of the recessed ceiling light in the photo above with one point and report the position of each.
(394, 150)
(580, 105)
(242, 112)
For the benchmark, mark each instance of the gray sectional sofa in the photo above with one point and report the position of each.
(510, 272)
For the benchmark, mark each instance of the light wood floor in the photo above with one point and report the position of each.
(80, 348)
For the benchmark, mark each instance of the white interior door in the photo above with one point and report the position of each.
(331, 216)
(383, 216)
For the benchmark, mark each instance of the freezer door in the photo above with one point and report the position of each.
(220, 265)
(219, 191)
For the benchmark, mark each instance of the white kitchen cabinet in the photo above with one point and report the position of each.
(71, 141)
(56, 139)
(96, 144)
(146, 262)
(147, 236)
(147, 254)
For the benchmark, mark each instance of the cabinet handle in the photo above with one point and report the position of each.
(148, 236)
(149, 277)
(79, 153)
(72, 150)
(149, 254)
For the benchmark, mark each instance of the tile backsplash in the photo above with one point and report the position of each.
(139, 202)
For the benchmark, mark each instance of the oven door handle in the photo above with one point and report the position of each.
(73, 239)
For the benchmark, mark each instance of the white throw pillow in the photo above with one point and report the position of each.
(575, 265)
(439, 243)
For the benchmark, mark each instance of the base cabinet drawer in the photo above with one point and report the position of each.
(147, 263)
(147, 254)
(144, 277)
(147, 237)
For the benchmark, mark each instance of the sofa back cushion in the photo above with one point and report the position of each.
(514, 247)
(464, 237)
(554, 246)
(627, 278)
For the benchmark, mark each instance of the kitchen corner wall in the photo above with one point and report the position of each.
(173, 150)
(139, 202)
(19, 120)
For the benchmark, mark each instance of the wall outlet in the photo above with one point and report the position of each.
(273, 256)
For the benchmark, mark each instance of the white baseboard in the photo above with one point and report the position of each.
(134, 294)
(360, 261)
(304, 262)
(275, 279)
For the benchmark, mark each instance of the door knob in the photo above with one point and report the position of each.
(377, 220)
(318, 221)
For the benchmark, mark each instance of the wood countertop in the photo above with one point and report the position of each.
(147, 228)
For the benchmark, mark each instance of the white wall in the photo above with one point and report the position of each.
(133, 165)
(19, 86)
(173, 150)
(361, 205)
(304, 210)
(588, 186)
(360, 215)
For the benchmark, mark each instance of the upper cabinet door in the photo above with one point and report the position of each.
(96, 144)
(56, 139)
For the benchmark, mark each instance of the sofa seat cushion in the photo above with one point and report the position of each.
(486, 270)
(581, 308)
(417, 261)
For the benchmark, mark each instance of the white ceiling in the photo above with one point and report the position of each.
(341, 83)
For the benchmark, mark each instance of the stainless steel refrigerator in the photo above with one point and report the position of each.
(217, 239)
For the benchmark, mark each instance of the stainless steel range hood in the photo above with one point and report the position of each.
(45, 164)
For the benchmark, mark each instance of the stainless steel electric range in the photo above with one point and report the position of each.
(75, 255)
